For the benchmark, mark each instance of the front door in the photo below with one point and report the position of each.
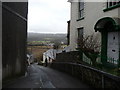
(113, 47)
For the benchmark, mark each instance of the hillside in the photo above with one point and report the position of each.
(47, 37)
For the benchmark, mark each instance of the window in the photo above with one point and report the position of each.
(80, 35)
(81, 10)
(80, 41)
(111, 3)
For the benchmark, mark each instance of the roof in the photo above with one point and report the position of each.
(67, 49)
(52, 53)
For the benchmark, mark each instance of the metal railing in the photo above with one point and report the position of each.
(110, 62)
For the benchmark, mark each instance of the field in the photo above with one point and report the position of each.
(39, 42)
(37, 51)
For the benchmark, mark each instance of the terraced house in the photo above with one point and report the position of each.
(100, 19)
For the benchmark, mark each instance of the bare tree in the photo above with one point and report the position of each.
(56, 45)
(90, 46)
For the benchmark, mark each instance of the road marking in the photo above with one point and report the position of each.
(41, 82)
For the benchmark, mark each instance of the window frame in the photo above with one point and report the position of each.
(110, 4)
(80, 32)
(81, 10)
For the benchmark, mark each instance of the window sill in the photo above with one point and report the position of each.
(112, 7)
(80, 19)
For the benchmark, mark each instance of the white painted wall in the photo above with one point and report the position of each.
(44, 57)
(113, 47)
(73, 23)
(50, 54)
(93, 12)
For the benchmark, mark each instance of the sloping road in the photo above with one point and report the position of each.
(44, 77)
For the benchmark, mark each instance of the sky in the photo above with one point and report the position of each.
(48, 16)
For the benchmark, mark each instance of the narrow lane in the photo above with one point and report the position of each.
(45, 77)
(62, 80)
(30, 80)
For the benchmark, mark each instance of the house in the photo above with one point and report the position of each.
(50, 55)
(101, 19)
(30, 58)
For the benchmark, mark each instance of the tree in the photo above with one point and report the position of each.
(56, 45)
(90, 46)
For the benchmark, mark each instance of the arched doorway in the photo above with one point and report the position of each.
(110, 39)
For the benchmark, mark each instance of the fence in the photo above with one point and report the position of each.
(94, 77)
(76, 57)
(109, 62)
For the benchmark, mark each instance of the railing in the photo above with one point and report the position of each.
(109, 65)
(109, 62)
(92, 76)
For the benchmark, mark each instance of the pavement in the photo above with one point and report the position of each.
(45, 77)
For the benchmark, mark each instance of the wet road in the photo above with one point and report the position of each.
(44, 77)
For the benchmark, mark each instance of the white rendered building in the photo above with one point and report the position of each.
(99, 18)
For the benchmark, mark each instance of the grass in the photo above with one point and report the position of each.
(38, 42)
(111, 70)
(41, 41)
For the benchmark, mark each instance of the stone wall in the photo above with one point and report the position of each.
(67, 56)
(89, 75)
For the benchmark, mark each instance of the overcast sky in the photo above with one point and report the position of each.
(48, 16)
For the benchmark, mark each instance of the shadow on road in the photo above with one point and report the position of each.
(44, 77)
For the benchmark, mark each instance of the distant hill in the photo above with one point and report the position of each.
(47, 37)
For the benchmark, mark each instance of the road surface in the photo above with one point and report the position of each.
(45, 77)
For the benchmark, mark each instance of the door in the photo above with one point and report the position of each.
(113, 47)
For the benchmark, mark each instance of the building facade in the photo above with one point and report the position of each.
(14, 37)
(101, 19)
